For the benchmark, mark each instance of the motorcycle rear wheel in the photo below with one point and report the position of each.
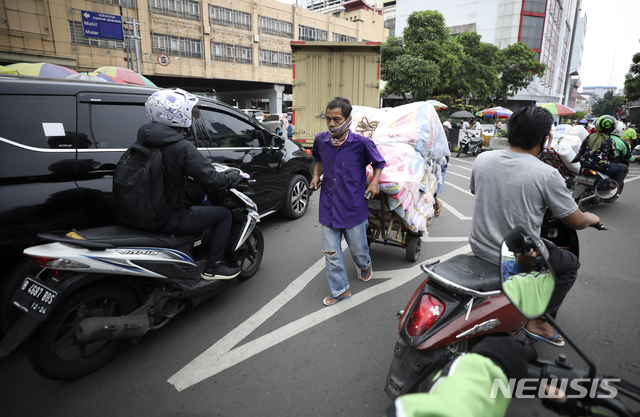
(250, 254)
(57, 354)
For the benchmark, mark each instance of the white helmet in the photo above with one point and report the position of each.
(171, 107)
(619, 129)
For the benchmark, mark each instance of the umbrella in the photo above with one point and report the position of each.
(437, 104)
(5, 70)
(462, 114)
(42, 69)
(108, 78)
(126, 75)
(558, 109)
(83, 76)
(493, 112)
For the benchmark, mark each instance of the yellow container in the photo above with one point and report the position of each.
(486, 137)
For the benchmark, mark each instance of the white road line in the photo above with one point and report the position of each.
(222, 356)
(626, 180)
(446, 184)
(454, 211)
(429, 239)
(459, 166)
(456, 174)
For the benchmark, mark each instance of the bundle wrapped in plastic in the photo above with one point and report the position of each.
(411, 139)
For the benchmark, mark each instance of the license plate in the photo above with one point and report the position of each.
(584, 180)
(35, 299)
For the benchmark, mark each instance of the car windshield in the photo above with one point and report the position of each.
(272, 118)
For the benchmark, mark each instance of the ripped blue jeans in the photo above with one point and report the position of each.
(356, 238)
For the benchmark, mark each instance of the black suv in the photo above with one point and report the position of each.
(60, 141)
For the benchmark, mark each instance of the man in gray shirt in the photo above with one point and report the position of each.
(512, 187)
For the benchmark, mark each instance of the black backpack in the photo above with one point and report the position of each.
(138, 188)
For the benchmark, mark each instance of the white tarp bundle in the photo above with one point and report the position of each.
(413, 143)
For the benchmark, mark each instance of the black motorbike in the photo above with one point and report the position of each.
(593, 187)
(99, 287)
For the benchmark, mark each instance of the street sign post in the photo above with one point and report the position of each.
(102, 25)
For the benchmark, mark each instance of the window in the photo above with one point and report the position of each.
(276, 27)
(173, 45)
(228, 131)
(343, 38)
(275, 59)
(130, 4)
(535, 6)
(229, 17)
(115, 125)
(231, 53)
(186, 9)
(306, 33)
(52, 121)
(531, 33)
(76, 33)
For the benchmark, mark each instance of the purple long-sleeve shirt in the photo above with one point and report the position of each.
(342, 203)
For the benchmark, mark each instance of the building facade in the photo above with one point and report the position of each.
(238, 48)
(544, 25)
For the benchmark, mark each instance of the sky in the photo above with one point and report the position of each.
(613, 30)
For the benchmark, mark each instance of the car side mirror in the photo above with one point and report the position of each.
(277, 142)
(527, 278)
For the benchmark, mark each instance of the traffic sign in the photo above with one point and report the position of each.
(163, 60)
(102, 25)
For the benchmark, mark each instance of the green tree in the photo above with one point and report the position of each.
(632, 79)
(477, 75)
(607, 104)
(517, 67)
(424, 60)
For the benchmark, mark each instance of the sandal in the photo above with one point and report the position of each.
(553, 340)
(438, 208)
(366, 274)
(331, 300)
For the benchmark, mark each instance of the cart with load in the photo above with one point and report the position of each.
(413, 143)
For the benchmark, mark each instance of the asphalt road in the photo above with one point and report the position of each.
(268, 347)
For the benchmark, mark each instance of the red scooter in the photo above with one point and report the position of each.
(458, 304)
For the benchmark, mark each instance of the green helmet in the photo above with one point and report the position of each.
(606, 124)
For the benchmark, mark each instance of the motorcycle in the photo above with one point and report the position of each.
(593, 187)
(471, 144)
(99, 287)
(458, 304)
(581, 392)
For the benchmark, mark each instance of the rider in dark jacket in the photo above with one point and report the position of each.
(170, 112)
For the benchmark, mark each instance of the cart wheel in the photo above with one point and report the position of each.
(413, 248)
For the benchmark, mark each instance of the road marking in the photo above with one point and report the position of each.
(626, 180)
(429, 239)
(222, 356)
(459, 175)
(458, 188)
(459, 166)
(454, 211)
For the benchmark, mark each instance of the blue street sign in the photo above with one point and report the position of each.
(102, 25)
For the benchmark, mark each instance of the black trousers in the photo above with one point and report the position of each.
(565, 267)
(194, 220)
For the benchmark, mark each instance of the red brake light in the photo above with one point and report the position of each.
(41, 260)
(426, 313)
(589, 173)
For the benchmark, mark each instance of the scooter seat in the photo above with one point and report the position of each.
(120, 236)
(470, 272)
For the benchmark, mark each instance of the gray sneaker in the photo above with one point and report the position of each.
(220, 271)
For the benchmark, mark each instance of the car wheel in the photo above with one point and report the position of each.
(297, 198)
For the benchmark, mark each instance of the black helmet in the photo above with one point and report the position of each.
(606, 124)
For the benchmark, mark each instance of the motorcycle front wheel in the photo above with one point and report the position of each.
(57, 354)
(250, 254)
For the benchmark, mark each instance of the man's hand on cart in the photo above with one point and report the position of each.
(372, 190)
(316, 182)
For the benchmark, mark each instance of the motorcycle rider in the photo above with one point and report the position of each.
(171, 112)
(623, 151)
(598, 150)
(501, 205)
